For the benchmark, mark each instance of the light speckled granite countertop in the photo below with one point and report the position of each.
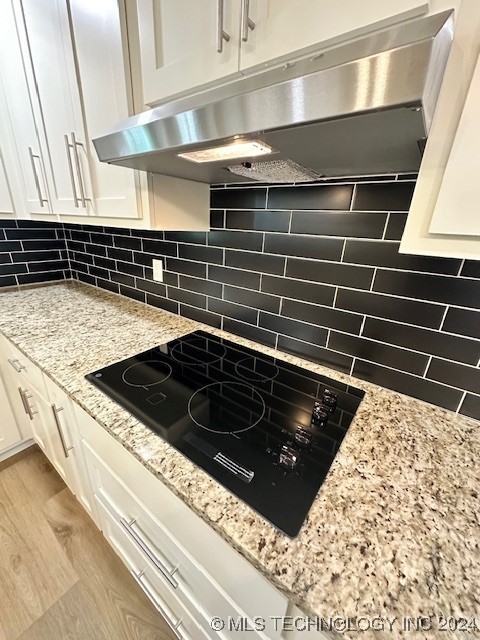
(395, 528)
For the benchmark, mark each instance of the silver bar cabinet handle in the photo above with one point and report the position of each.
(75, 145)
(17, 365)
(221, 33)
(56, 411)
(69, 146)
(31, 412)
(35, 175)
(25, 403)
(168, 575)
(173, 625)
(247, 23)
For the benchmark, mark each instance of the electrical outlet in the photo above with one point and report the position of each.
(157, 270)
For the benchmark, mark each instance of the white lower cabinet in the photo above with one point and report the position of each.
(198, 570)
(43, 410)
(9, 432)
(190, 574)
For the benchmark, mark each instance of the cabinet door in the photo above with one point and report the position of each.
(456, 210)
(9, 433)
(105, 95)
(50, 66)
(32, 405)
(6, 204)
(179, 45)
(284, 28)
(55, 432)
(17, 120)
(64, 418)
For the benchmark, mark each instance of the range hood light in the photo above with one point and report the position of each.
(232, 151)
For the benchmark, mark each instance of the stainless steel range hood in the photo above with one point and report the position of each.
(361, 107)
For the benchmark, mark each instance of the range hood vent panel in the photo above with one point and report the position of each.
(363, 115)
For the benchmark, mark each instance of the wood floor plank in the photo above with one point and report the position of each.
(35, 571)
(126, 612)
(8, 462)
(31, 480)
(73, 617)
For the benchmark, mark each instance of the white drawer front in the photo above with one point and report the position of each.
(22, 365)
(193, 586)
(151, 583)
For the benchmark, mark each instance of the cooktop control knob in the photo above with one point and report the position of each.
(289, 457)
(320, 414)
(303, 436)
(330, 399)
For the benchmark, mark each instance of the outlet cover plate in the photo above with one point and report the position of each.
(157, 270)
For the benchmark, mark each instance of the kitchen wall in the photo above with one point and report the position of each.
(315, 271)
(32, 252)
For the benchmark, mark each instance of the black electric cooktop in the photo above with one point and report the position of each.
(266, 430)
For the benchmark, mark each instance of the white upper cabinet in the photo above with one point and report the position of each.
(6, 204)
(52, 79)
(456, 211)
(103, 77)
(443, 218)
(183, 50)
(77, 79)
(187, 44)
(21, 149)
(65, 66)
(282, 28)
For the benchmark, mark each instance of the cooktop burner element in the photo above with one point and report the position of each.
(215, 417)
(147, 374)
(266, 430)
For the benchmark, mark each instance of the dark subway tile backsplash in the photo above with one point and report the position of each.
(334, 273)
(257, 220)
(384, 354)
(255, 198)
(395, 226)
(385, 254)
(313, 270)
(319, 197)
(462, 322)
(383, 197)
(455, 375)
(400, 309)
(32, 252)
(424, 340)
(446, 290)
(308, 291)
(343, 224)
(303, 246)
(417, 387)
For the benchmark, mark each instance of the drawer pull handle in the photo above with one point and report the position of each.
(168, 575)
(56, 410)
(173, 625)
(17, 365)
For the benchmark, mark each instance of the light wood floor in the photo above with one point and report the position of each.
(59, 578)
